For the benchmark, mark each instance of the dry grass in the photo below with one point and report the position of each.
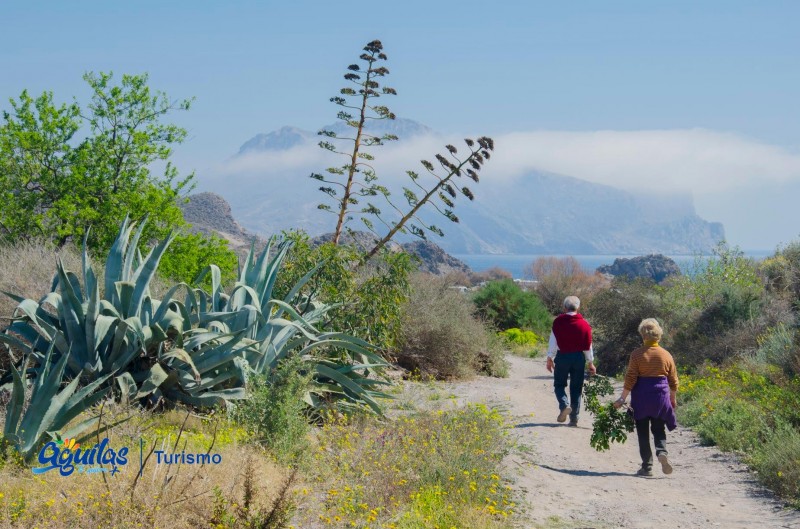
(241, 489)
(27, 269)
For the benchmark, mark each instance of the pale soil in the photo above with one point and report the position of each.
(567, 484)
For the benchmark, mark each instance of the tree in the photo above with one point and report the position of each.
(559, 277)
(348, 185)
(64, 169)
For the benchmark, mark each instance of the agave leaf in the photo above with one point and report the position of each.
(145, 273)
(272, 273)
(123, 294)
(130, 254)
(165, 301)
(348, 384)
(127, 387)
(296, 288)
(10, 341)
(115, 259)
(183, 356)
(15, 404)
(155, 378)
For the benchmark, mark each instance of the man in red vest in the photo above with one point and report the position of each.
(569, 349)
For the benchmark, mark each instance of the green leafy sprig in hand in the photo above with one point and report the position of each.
(610, 424)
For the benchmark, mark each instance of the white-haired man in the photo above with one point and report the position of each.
(569, 350)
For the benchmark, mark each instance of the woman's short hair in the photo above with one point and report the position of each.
(571, 303)
(649, 329)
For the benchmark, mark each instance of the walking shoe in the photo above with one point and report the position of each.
(573, 423)
(644, 472)
(666, 468)
(564, 414)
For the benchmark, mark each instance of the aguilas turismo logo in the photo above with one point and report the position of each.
(67, 456)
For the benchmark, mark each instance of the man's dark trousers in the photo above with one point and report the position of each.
(569, 365)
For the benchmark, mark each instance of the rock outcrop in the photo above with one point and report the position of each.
(655, 266)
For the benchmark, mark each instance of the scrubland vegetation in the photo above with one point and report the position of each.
(288, 365)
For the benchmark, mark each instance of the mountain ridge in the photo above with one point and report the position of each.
(536, 212)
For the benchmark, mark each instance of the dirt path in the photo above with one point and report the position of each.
(568, 484)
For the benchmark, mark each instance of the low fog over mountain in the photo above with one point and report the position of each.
(268, 187)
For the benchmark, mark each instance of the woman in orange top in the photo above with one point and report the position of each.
(652, 382)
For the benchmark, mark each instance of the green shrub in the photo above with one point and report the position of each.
(779, 347)
(370, 297)
(190, 253)
(275, 412)
(440, 335)
(522, 342)
(506, 305)
(777, 462)
(615, 315)
(519, 337)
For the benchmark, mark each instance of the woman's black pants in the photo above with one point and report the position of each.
(657, 427)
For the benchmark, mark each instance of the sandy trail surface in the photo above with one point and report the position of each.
(567, 484)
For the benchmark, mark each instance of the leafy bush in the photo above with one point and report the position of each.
(615, 315)
(520, 337)
(440, 335)
(777, 462)
(274, 414)
(526, 343)
(559, 277)
(779, 347)
(506, 305)
(190, 253)
(367, 301)
(757, 414)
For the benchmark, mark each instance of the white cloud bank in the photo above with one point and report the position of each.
(739, 181)
(696, 160)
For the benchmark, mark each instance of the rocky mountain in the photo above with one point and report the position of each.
(211, 214)
(288, 137)
(655, 266)
(432, 258)
(532, 213)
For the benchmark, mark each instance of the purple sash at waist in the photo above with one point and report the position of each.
(650, 398)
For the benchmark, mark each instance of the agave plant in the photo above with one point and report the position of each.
(121, 334)
(261, 331)
(51, 407)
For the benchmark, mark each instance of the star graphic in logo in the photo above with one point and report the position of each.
(114, 470)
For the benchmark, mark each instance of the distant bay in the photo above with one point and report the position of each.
(516, 264)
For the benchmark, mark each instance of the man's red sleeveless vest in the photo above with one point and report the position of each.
(573, 333)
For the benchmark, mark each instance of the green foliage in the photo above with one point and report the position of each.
(366, 302)
(198, 351)
(440, 335)
(519, 337)
(70, 167)
(778, 346)
(190, 253)
(615, 315)
(522, 342)
(274, 413)
(66, 168)
(754, 413)
(610, 425)
(777, 462)
(506, 305)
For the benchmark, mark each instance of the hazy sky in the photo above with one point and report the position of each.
(696, 96)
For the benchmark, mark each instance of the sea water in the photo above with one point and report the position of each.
(516, 264)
